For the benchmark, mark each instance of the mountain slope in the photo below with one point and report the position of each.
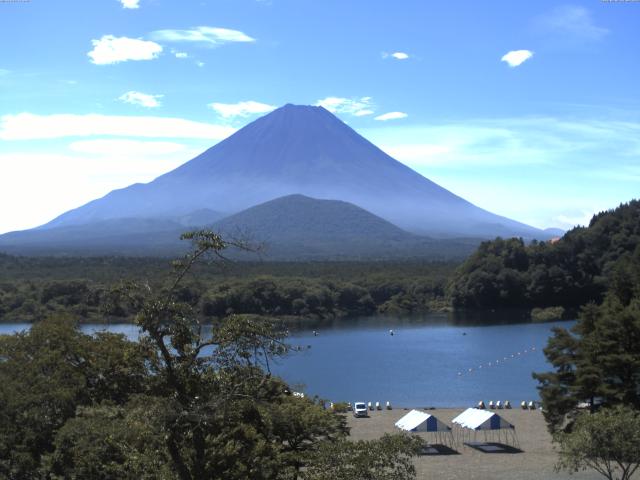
(303, 228)
(294, 227)
(304, 150)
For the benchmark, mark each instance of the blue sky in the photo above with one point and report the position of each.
(528, 109)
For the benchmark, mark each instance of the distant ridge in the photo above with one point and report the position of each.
(294, 227)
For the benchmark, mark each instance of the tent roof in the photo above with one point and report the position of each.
(477, 419)
(417, 421)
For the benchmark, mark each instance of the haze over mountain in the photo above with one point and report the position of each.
(294, 227)
(299, 227)
(304, 150)
(295, 150)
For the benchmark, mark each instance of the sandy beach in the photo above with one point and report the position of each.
(535, 461)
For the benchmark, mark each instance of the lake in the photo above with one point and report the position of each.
(430, 360)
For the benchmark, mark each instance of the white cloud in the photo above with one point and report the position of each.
(391, 116)
(110, 49)
(142, 99)
(400, 55)
(81, 175)
(353, 106)
(206, 35)
(516, 57)
(181, 55)
(572, 22)
(200, 64)
(28, 126)
(240, 109)
(123, 147)
(573, 220)
(130, 3)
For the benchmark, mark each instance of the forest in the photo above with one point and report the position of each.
(570, 272)
(182, 402)
(31, 287)
(559, 276)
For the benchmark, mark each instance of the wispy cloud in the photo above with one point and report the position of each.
(541, 170)
(571, 22)
(28, 126)
(512, 141)
(181, 54)
(352, 106)
(4, 72)
(130, 3)
(119, 147)
(391, 116)
(516, 58)
(240, 109)
(142, 99)
(110, 49)
(396, 55)
(205, 35)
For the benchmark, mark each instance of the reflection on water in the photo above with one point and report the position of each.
(460, 318)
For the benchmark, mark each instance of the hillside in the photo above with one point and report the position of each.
(294, 227)
(302, 228)
(571, 272)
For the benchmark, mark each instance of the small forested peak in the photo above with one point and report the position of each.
(572, 271)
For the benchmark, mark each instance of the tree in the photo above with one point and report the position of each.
(607, 441)
(188, 400)
(599, 358)
(389, 458)
(46, 374)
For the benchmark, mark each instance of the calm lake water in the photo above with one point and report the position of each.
(431, 360)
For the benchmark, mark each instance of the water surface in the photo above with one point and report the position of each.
(431, 360)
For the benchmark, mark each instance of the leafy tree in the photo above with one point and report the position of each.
(570, 272)
(599, 359)
(46, 374)
(607, 441)
(389, 458)
(189, 400)
(107, 441)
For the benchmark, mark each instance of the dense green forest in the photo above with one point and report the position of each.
(569, 272)
(31, 287)
(502, 273)
(182, 402)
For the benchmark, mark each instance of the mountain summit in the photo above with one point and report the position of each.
(300, 150)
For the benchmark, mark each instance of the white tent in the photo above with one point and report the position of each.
(474, 420)
(417, 421)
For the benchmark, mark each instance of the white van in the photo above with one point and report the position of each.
(360, 409)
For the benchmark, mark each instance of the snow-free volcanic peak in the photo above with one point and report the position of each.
(298, 149)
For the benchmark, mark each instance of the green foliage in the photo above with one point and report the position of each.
(85, 287)
(607, 441)
(548, 314)
(389, 458)
(46, 374)
(187, 401)
(106, 442)
(571, 272)
(599, 358)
